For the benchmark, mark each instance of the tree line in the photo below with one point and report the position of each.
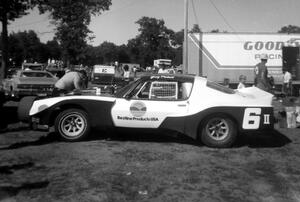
(154, 41)
(70, 44)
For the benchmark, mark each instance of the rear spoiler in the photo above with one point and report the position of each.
(262, 96)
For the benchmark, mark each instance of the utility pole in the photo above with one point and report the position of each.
(185, 41)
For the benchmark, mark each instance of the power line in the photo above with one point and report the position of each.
(220, 13)
(195, 14)
(125, 6)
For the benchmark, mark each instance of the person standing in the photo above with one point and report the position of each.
(287, 83)
(3, 122)
(261, 74)
(119, 72)
(242, 82)
(162, 69)
(126, 73)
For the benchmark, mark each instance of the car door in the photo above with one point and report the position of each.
(150, 104)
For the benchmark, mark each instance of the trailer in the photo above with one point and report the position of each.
(158, 62)
(226, 56)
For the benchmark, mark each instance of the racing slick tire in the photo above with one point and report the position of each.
(72, 125)
(24, 107)
(218, 131)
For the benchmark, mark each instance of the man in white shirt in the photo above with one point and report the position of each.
(162, 69)
(287, 83)
(126, 73)
(72, 80)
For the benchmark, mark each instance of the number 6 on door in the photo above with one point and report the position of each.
(251, 118)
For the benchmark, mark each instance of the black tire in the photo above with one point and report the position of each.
(218, 131)
(24, 107)
(72, 125)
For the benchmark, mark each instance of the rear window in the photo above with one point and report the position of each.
(164, 90)
(36, 74)
(219, 87)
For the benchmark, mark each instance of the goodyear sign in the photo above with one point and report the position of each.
(221, 53)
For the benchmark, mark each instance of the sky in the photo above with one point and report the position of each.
(118, 25)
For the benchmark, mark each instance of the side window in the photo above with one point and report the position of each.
(144, 91)
(185, 89)
(137, 90)
(166, 90)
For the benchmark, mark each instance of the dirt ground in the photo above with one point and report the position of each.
(109, 167)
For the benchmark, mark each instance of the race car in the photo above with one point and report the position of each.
(191, 105)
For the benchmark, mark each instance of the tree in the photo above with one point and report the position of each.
(289, 29)
(72, 19)
(195, 29)
(10, 10)
(215, 31)
(123, 55)
(109, 52)
(152, 42)
(26, 46)
(54, 50)
(178, 41)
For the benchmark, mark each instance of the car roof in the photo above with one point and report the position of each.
(33, 64)
(24, 70)
(177, 77)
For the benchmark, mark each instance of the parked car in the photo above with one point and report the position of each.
(28, 82)
(187, 104)
(57, 72)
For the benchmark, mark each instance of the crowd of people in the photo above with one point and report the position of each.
(264, 81)
(76, 80)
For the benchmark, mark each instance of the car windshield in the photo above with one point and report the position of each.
(219, 87)
(120, 92)
(36, 74)
(33, 66)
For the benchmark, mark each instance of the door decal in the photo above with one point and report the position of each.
(138, 109)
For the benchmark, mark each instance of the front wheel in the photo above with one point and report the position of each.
(218, 131)
(72, 125)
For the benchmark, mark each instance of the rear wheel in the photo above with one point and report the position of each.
(218, 131)
(72, 125)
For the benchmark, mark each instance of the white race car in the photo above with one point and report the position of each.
(187, 104)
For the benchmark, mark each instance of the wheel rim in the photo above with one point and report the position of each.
(73, 125)
(217, 129)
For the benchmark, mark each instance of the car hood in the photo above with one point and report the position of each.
(42, 104)
(36, 80)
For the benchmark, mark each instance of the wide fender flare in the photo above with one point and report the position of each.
(99, 112)
(194, 122)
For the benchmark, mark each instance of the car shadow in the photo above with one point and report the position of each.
(270, 139)
(10, 191)
(143, 135)
(49, 138)
(9, 169)
(10, 114)
(265, 140)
